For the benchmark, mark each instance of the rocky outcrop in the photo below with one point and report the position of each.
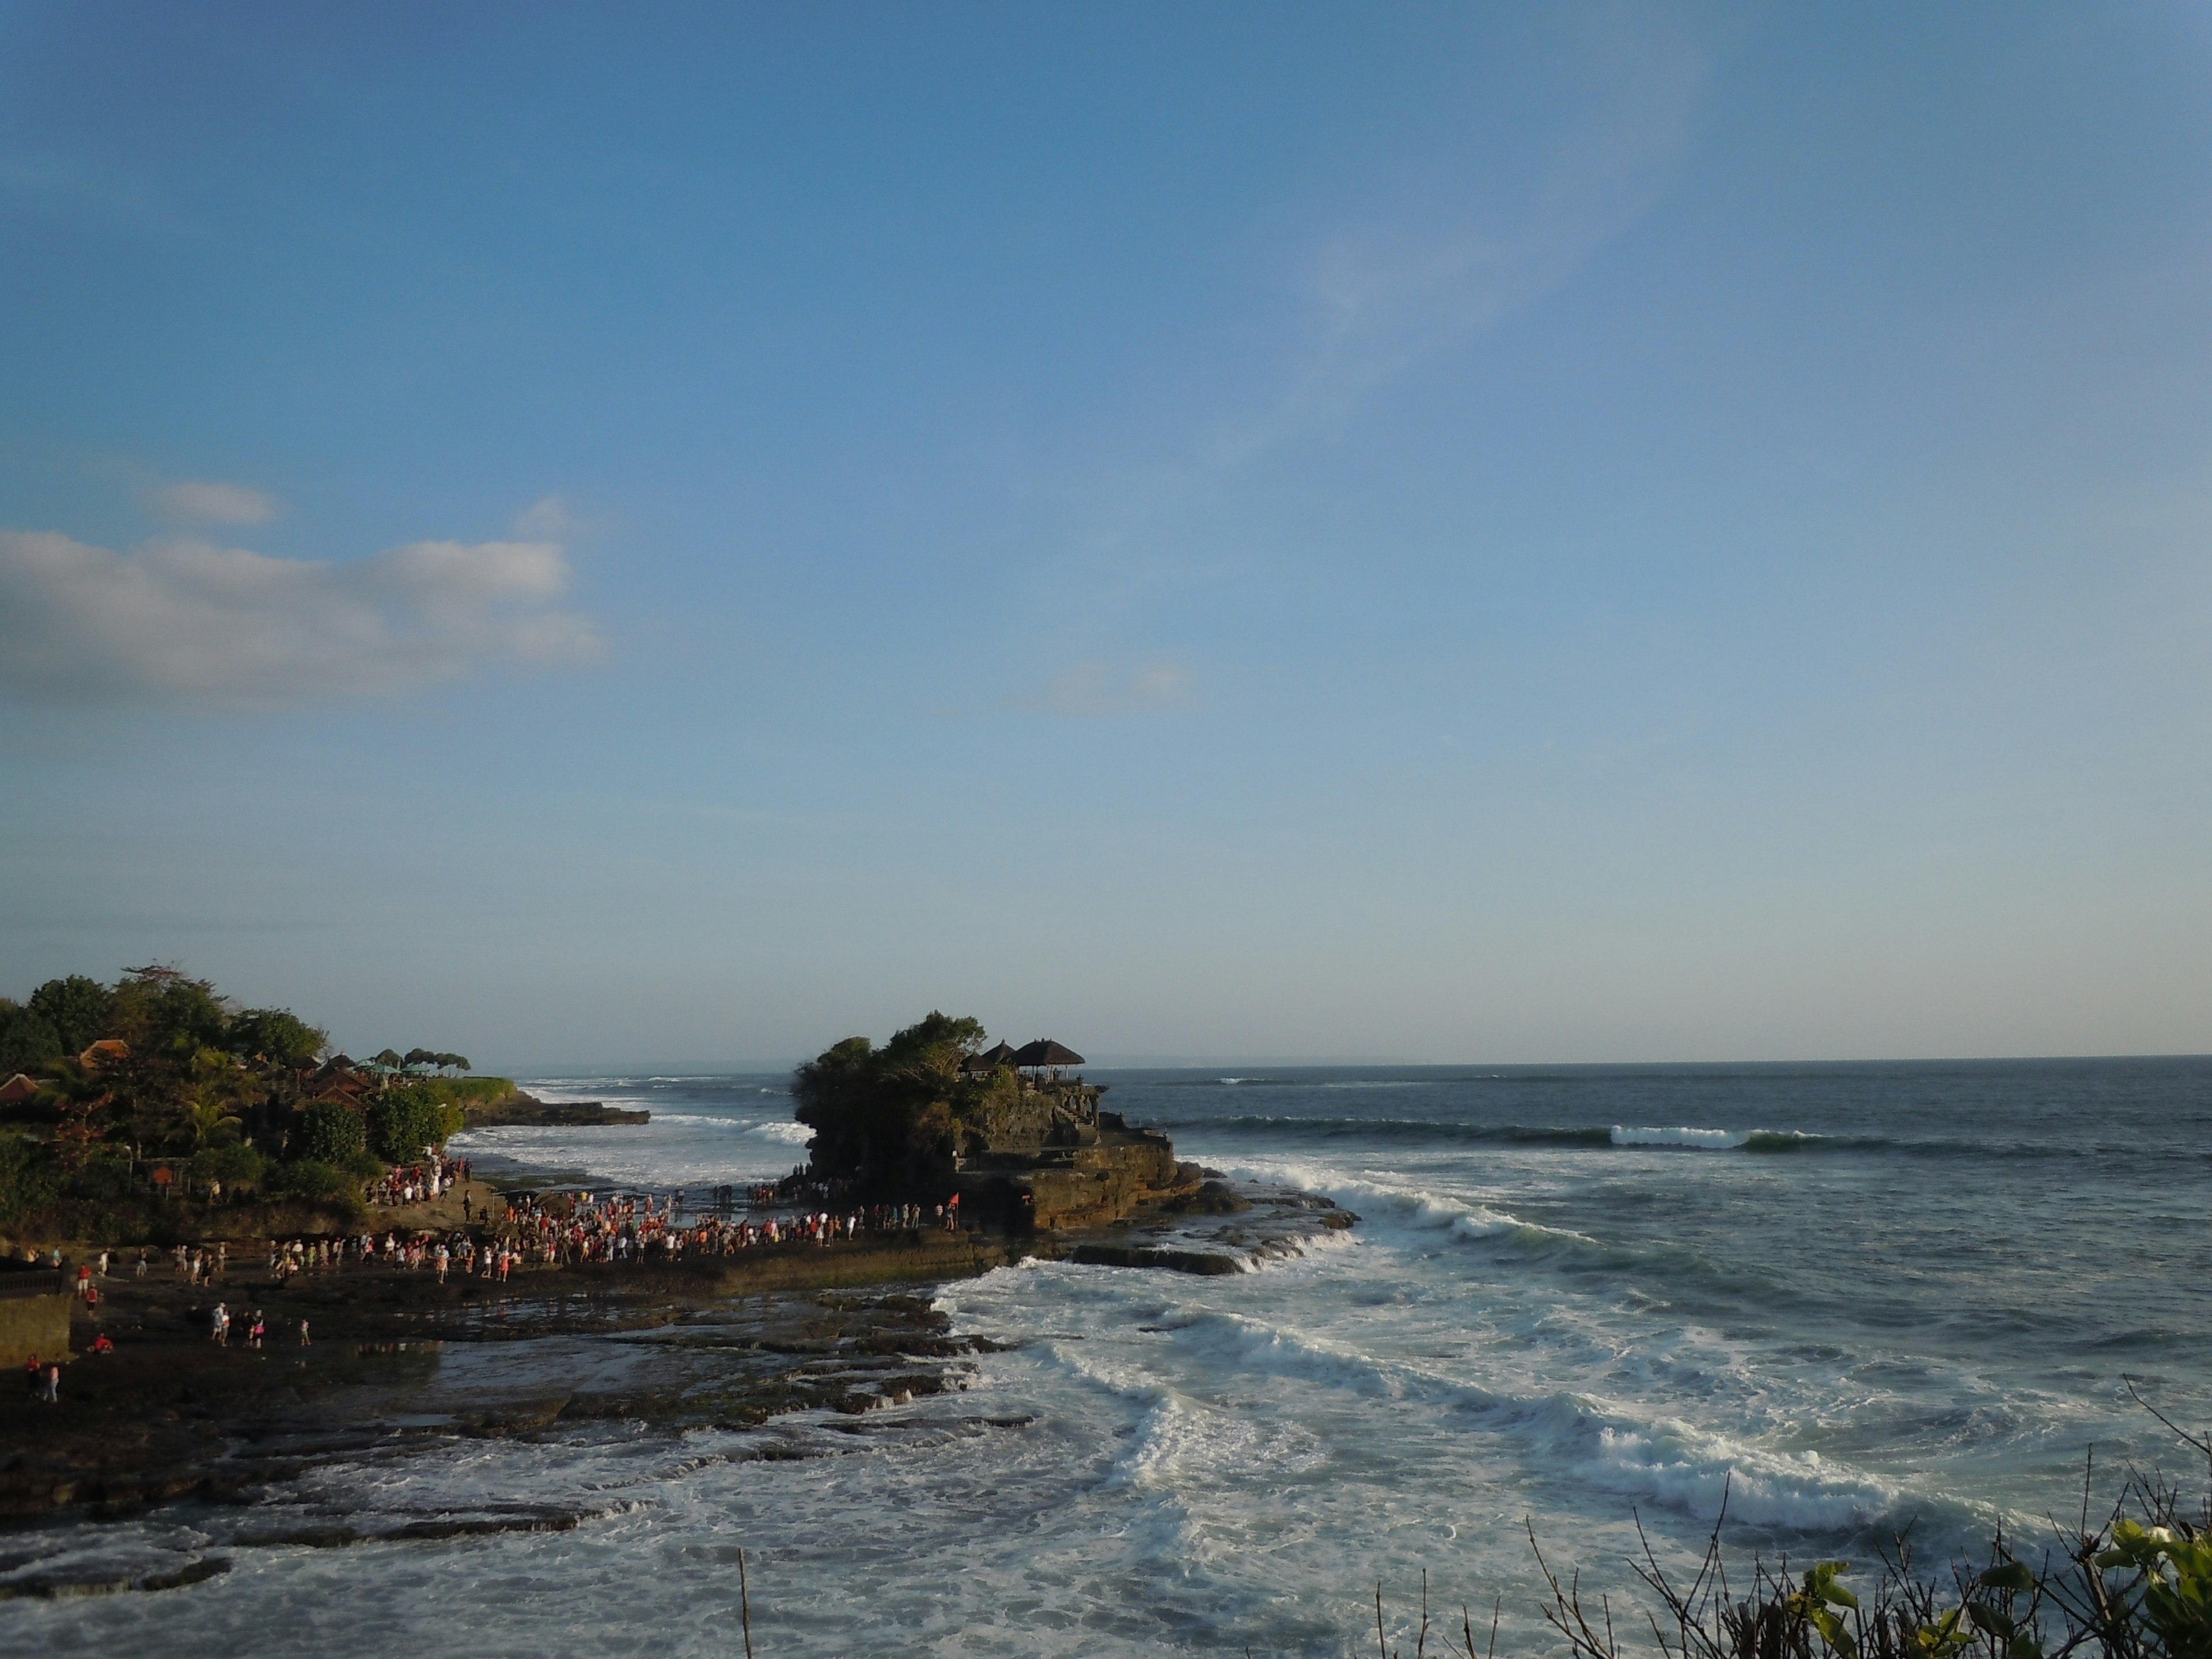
(529, 1111)
(1092, 1184)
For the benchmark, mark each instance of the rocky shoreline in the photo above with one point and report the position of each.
(170, 1418)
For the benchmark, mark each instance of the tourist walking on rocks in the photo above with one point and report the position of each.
(32, 1371)
(222, 1325)
(54, 1391)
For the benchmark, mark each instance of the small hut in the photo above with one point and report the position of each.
(1045, 1055)
(990, 1060)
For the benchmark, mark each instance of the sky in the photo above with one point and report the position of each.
(597, 536)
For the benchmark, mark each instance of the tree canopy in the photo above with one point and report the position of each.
(78, 1010)
(248, 1096)
(886, 1118)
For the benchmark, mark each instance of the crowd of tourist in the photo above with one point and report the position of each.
(419, 1183)
(555, 1229)
(618, 1228)
(566, 1230)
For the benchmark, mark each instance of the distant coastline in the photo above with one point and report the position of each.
(523, 1109)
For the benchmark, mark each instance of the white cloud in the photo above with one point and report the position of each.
(547, 519)
(212, 502)
(188, 621)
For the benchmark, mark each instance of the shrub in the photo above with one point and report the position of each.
(329, 1132)
(309, 1178)
(407, 1120)
(235, 1165)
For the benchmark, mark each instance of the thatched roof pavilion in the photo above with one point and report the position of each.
(990, 1060)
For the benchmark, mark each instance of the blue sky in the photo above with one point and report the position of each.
(670, 535)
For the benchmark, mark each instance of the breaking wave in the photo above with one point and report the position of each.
(1739, 1140)
(794, 1134)
(1661, 1459)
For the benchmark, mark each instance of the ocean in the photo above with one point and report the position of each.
(1853, 1300)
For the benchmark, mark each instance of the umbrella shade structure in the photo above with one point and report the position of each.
(990, 1060)
(1045, 1052)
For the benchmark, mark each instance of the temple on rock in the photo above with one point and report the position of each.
(1042, 1154)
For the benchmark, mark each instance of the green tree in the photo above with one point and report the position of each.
(220, 1090)
(30, 1178)
(163, 1007)
(276, 1037)
(330, 1132)
(404, 1121)
(81, 1011)
(28, 1041)
(885, 1118)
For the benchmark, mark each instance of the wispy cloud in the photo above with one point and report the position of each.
(1433, 256)
(184, 621)
(1455, 255)
(213, 502)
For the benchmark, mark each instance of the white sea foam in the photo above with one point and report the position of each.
(794, 1134)
(1706, 1139)
(1690, 1470)
(1389, 1203)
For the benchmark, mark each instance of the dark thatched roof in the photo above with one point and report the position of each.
(1045, 1052)
(990, 1058)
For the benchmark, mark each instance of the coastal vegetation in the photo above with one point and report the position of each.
(121, 1102)
(888, 1120)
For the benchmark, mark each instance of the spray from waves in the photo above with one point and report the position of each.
(1299, 1250)
(794, 1134)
